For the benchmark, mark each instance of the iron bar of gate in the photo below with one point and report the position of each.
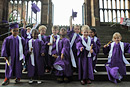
(129, 8)
(22, 9)
(116, 10)
(111, 11)
(36, 14)
(27, 12)
(124, 8)
(107, 12)
(103, 11)
(17, 8)
(31, 12)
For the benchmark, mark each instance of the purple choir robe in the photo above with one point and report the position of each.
(38, 49)
(64, 48)
(70, 35)
(85, 63)
(10, 49)
(45, 40)
(97, 45)
(117, 59)
(51, 59)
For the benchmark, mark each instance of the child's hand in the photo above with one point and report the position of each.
(105, 46)
(91, 51)
(62, 56)
(54, 55)
(81, 49)
(49, 44)
(42, 54)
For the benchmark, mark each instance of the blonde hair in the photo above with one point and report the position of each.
(55, 27)
(42, 27)
(28, 28)
(116, 34)
(85, 27)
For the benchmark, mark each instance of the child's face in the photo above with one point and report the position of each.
(63, 32)
(85, 33)
(117, 39)
(28, 30)
(43, 31)
(35, 35)
(77, 30)
(91, 33)
(15, 31)
(55, 31)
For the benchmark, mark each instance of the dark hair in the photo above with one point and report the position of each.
(94, 30)
(34, 30)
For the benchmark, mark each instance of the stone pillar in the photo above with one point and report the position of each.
(3, 10)
(44, 12)
(96, 12)
(92, 17)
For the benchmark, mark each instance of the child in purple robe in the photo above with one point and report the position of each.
(43, 37)
(25, 33)
(73, 34)
(63, 60)
(12, 51)
(85, 51)
(93, 36)
(52, 44)
(116, 57)
(35, 50)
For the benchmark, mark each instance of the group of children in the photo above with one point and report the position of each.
(61, 54)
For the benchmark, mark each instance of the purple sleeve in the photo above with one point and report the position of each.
(98, 45)
(26, 50)
(106, 50)
(24, 45)
(54, 48)
(70, 33)
(43, 50)
(78, 45)
(5, 49)
(66, 48)
(127, 47)
(94, 48)
(23, 33)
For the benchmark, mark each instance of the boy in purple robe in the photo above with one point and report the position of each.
(12, 50)
(63, 60)
(85, 51)
(52, 43)
(35, 50)
(26, 34)
(93, 36)
(73, 34)
(116, 57)
(41, 36)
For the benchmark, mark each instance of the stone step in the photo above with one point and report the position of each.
(99, 67)
(47, 76)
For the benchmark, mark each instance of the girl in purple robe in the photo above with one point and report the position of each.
(93, 36)
(85, 56)
(52, 44)
(63, 61)
(44, 38)
(35, 50)
(116, 57)
(73, 34)
(12, 50)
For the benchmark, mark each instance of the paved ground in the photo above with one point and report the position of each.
(50, 83)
